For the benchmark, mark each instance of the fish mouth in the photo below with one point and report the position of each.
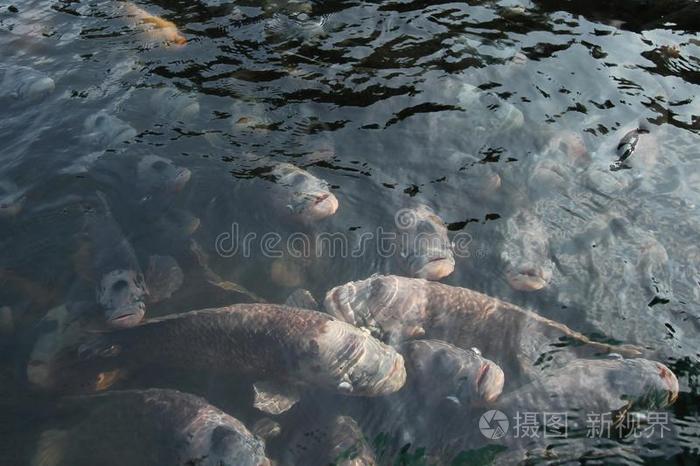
(436, 268)
(529, 278)
(126, 316)
(182, 178)
(489, 381)
(671, 382)
(321, 206)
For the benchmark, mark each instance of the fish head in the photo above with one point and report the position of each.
(355, 363)
(303, 194)
(106, 130)
(639, 383)
(526, 252)
(158, 173)
(229, 446)
(440, 370)
(425, 246)
(121, 293)
(390, 307)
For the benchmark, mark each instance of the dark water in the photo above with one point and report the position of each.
(364, 95)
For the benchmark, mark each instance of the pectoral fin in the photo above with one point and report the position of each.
(273, 398)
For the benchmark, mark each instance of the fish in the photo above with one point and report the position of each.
(157, 175)
(272, 343)
(304, 195)
(120, 285)
(104, 131)
(608, 385)
(22, 83)
(437, 370)
(526, 253)
(146, 427)
(520, 341)
(425, 248)
(156, 28)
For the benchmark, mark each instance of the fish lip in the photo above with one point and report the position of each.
(528, 278)
(126, 316)
(671, 382)
(436, 268)
(489, 381)
(323, 205)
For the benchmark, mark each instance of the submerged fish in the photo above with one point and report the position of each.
(158, 175)
(24, 83)
(268, 342)
(397, 309)
(597, 385)
(437, 370)
(104, 130)
(303, 194)
(145, 428)
(121, 288)
(525, 254)
(425, 248)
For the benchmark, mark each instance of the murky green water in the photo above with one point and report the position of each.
(503, 117)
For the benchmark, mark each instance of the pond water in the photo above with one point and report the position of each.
(556, 140)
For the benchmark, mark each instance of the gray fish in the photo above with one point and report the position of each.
(121, 287)
(159, 175)
(145, 428)
(526, 253)
(597, 385)
(269, 342)
(104, 130)
(303, 194)
(437, 370)
(397, 309)
(425, 248)
(24, 83)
